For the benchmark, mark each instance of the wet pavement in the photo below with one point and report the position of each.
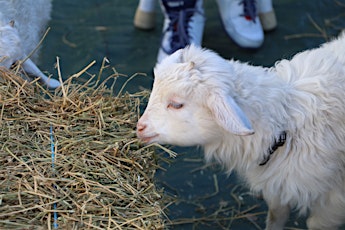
(83, 31)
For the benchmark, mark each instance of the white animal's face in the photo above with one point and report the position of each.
(189, 105)
(10, 45)
(174, 115)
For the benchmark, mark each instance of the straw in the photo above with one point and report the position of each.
(70, 158)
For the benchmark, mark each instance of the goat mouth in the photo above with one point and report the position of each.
(149, 139)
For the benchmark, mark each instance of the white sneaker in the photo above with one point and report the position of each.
(241, 22)
(266, 14)
(183, 25)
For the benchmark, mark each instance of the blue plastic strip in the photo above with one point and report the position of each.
(52, 146)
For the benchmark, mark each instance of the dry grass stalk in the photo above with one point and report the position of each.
(102, 178)
(330, 27)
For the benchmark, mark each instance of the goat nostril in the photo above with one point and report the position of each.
(141, 127)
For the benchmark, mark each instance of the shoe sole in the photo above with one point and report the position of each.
(144, 20)
(268, 21)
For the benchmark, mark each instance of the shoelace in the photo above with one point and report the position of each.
(178, 26)
(249, 9)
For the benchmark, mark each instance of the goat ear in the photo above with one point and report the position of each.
(191, 65)
(31, 68)
(229, 115)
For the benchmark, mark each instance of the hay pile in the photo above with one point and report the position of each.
(71, 158)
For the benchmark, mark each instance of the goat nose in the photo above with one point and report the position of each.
(140, 127)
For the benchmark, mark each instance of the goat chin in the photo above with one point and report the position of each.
(235, 111)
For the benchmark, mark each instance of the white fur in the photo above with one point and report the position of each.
(17, 41)
(235, 111)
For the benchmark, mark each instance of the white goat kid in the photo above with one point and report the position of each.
(22, 23)
(238, 113)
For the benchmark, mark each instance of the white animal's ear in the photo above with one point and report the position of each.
(191, 65)
(229, 115)
(31, 68)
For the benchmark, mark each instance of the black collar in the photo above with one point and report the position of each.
(277, 143)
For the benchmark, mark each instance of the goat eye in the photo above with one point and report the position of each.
(175, 105)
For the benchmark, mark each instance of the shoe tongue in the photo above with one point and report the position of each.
(179, 4)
